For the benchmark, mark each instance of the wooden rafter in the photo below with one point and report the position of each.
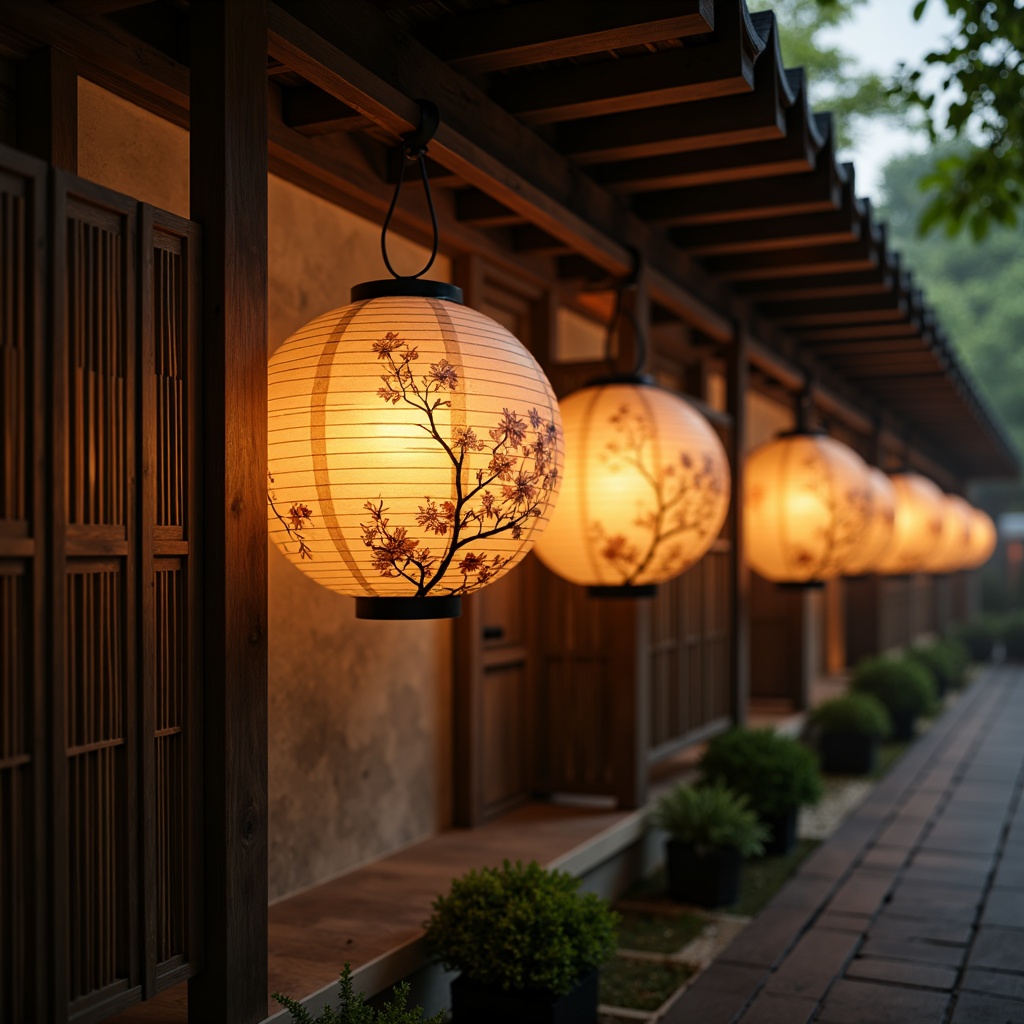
(532, 33)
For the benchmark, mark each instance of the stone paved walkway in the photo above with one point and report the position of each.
(913, 912)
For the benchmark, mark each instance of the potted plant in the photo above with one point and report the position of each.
(849, 730)
(527, 942)
(1013, 636)
(776, 773)
(903, 685)
(352, 1009)
(945, 662)
(711, 829)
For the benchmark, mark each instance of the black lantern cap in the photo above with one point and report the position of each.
(408, 608)
(414, 287)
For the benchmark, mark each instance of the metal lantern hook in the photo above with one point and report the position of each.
(628, 283)
(414, 148)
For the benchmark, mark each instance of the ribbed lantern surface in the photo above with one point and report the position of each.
(881, 519)
(807, 507)
(983, 539)
(919, 525)
(953, 549)
(645, 489)
(415, 449)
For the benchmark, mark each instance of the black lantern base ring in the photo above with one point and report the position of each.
(645, 590)
(804, 585)
(408, 608)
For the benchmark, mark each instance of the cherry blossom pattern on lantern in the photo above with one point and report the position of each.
(294, 520)
(514, 487)
(684, 493)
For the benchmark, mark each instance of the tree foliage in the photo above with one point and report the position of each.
(978, 98)
(835, 82)
(976, 289)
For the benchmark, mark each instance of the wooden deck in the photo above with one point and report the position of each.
(367, 915)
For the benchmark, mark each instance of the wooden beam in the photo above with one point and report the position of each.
(312, 111)
(480, 142)
(568, 92)
(229, 200)
(822, 286)
(791, 311)
(47, 109)
(809, 260)
(531, 240)
(766, 234)
(792, 154)
(532, 33)
(816, 192)
(92, 7)
(481, 210)
(812, 335)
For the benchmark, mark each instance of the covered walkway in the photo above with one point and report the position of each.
(914, 910)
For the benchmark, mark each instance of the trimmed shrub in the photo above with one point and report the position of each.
(710, 819)
(943, 661)
(856, 714)
(353, 1010)
(521, 928)
(978, 636)
(903, 685)
(774, 772)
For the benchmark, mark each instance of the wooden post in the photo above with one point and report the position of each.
(737, 382)
(229, 201)
(47, 114)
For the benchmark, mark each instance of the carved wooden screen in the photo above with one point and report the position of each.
(112, 690)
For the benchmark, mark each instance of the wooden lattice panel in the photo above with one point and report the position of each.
(14, 298)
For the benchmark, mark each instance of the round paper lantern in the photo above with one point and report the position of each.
(645, 489)
(983, 539)
(881, 520)
(807, 507)
(918, 528)
(415, 449)
(953, 549)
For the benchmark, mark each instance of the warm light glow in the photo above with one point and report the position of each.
(415, 448)
(646, 487)
(953, 550)
(983, 538)
(807, 509)
(919, 525)
(881, 520)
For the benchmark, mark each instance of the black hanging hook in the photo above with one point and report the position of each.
(414, 148)
(628, 283)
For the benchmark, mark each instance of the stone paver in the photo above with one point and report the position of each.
(913, 911)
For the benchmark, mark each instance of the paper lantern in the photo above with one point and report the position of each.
(415, 449)
(645, 489)
(918, 527)
(953, 549)
(982, 540)
(807, 507)
(881, 520)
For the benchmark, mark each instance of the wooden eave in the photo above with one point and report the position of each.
(572, 132)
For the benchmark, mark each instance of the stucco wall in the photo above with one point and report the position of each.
(360, 712)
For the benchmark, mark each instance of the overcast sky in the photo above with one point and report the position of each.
(881, 35)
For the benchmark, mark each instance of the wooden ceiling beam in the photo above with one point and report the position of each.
(312, 111)
(824, 286)
(532, 33)
(831, 350)
(481, 143)
(766, 234)
(814, 335)
(810, 260)
(866, 304)
(483, 211)
(531, 240)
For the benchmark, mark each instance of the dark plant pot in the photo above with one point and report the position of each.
(848, 753)
(904, 725)
(711, 881)
(783, 832)
(473, 1003)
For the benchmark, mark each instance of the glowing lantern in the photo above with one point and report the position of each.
(918, 528)
(645, 489)
(415, 449)
(952, 551)
(983, 538)
(807, 507)
(878, 533)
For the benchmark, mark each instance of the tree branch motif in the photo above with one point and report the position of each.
(514, 488)
(684, 495)
(296, 518)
